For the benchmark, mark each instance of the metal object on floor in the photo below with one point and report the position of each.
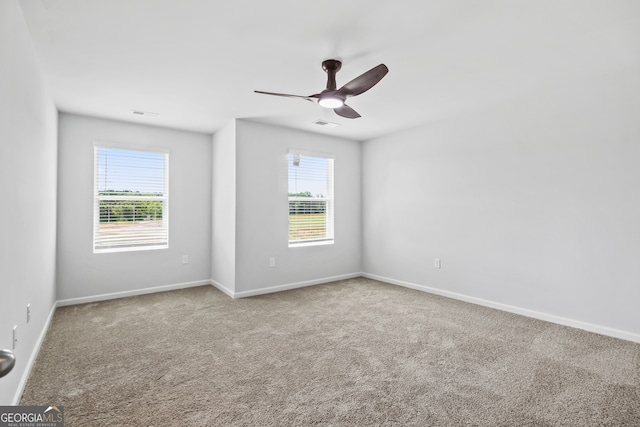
(7, 360)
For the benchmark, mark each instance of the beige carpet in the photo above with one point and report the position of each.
(350, 353)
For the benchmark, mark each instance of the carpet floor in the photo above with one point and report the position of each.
(352, 353)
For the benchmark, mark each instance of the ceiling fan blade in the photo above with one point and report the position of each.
(364, 82)
(346, 111)
(311, 98)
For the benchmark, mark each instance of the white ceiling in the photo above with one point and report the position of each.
(197, 62)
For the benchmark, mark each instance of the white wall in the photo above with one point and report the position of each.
(81, 273)
(223, 247)
(262, 209)
(28, 138)
(533, 204)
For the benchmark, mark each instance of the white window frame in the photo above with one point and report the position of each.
(329, 200)
(97, 198)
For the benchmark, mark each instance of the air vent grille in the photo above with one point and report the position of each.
(144, 113)
(325, 123)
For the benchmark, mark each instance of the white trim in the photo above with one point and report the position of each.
(123, 294)
(129, 249)
(127, 146)
(288, 286)
(34, 355)
(311, 153)
(228, 292)
(305, 243)
(590, 327)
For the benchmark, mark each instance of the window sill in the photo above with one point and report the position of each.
(315, 243)
(133, 249)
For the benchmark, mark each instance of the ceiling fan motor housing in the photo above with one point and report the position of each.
(331, 66)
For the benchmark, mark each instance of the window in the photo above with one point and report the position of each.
(310, 198)
(131, 199)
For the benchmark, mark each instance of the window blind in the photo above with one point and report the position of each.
(131, 199)
(311, 201)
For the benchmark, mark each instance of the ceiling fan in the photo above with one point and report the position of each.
(335, 98)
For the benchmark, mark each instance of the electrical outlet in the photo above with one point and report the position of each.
(185, 259)
(272, 262)
(15, 336)
(436, 263)
(28, 312)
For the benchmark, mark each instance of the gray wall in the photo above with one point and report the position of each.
(28, 138)
(81, 273)
(223, 247)
(262, 210)
(532, 204)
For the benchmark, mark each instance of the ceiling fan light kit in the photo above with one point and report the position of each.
(335, 98)
(330, 102)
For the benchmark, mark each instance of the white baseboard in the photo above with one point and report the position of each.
(32, 359)
(114, 295)
(289, 286)
(602, 330)
(222, 288)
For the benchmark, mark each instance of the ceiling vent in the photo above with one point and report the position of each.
(325, 123)
(144, 113)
